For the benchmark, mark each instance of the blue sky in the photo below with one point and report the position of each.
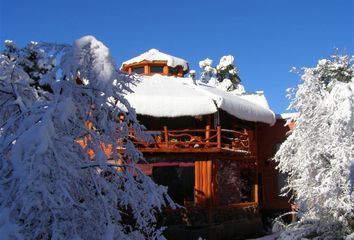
(266, 38)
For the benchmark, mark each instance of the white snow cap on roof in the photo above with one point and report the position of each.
(239, 106)
(164, 96)
(256, 98)
(156, 55)
(287, 115)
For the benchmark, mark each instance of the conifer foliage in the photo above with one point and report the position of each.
(319, 154)
(50, 188)
(224, 76)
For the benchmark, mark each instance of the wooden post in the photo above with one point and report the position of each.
(165, 70)
(120, 162)
(207, 135)
(218, 136)
(255, 193)
(208, 180)
(209, 199)
(196, 182)
(166, 136)
(205, 182)
(146, 69)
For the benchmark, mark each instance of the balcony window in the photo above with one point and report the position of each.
(156, 69)
(138, 70)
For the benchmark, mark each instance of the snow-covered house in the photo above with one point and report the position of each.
(206, 147)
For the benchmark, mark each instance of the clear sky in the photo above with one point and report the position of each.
(266, 38)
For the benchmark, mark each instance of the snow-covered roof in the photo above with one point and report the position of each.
(156, 55)
(286, 115)
(238, 106)
(256, 98)
(166, 96)
(163, 96)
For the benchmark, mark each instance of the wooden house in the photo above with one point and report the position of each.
(212, 148)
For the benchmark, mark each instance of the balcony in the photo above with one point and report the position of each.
(199, 141)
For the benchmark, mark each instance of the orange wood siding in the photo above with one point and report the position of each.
(205, 183)
(146, 64)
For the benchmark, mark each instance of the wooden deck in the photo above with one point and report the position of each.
(198, 141)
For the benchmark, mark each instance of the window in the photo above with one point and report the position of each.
(138, 70)
(172, 71)
(156, 69)
(179, 180)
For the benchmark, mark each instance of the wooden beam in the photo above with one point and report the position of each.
(218, 136)
(166, 135)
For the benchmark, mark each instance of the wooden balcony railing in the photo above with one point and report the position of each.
(196, 140)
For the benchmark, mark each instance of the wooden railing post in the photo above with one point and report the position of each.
(166, 136)
(207, 135)
(255, 193)
(218, 136)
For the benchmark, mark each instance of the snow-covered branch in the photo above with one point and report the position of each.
(46, 192)
(319, 153)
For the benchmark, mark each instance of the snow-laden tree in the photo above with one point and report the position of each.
(50, 188)
(224, 76)
(318, 156)
(227, 70)
(209, 72)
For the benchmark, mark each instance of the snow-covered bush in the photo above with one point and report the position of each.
(50, 188)
(319, 154)
(224, 76)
